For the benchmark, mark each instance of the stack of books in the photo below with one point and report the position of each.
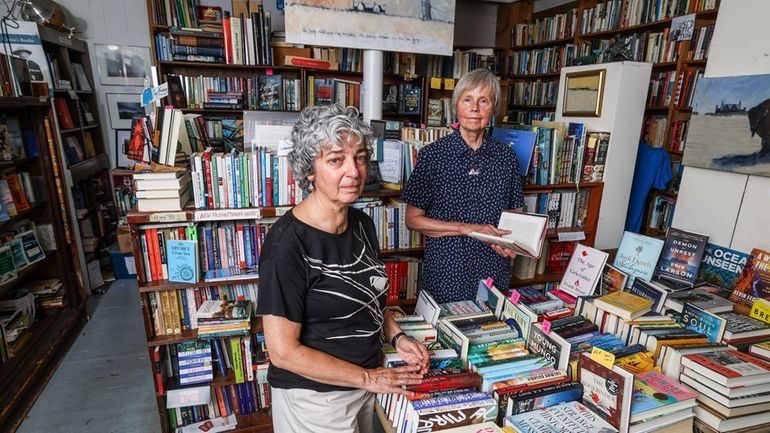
(49, 294)
(733, 390)
(162, 191)
(223, 318)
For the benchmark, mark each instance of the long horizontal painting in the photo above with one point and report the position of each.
(418, 26)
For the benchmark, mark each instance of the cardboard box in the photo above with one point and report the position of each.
(123, 265)
(280, 53)
(124, 240)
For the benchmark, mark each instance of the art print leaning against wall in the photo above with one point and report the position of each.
(730, 125)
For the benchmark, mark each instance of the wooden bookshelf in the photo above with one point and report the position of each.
(523, 12)
(38, 349)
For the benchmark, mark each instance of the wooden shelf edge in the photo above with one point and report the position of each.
(188, 214)
(161, 285)
(402, 251)
(534, 188)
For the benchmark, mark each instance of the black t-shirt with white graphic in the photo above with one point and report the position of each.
(335, 285)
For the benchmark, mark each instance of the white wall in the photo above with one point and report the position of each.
(733, 209)
(625, 92)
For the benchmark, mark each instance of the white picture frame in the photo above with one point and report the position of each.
(122, 65)
(122, 107)
(121, 159)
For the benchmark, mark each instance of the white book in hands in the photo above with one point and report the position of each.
(527, 233)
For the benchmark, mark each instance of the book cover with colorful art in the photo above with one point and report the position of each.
(721, 266)
(655, 394)
(754, 281)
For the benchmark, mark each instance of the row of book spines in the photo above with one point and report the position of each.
(661, 212)
(576, 159)
(403, 277)
(539, 61)
(534, 92)
(240, 399)
(545, 29)
(174, 311)
(154, 251)
(266, 92)
(225, 245)
(248, 179)
(323, 91)
(390, 224)
(17, 193)
(565, 208)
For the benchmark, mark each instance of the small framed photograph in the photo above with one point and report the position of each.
(122, 65)
(583, 93)
(122, 108)
(122, 138)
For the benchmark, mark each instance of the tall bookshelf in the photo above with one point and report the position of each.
(83, 153)
(531, 58)
(34, 354)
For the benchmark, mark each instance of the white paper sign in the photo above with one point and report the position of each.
(391, 166)
(228, 214)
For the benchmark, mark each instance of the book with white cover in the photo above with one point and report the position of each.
(527, 233)
(583, 271)
(162, 183)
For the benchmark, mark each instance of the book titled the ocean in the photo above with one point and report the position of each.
(637, 256)
(721, 266)
(182, 261)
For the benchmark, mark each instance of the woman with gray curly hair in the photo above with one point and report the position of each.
(323, 288)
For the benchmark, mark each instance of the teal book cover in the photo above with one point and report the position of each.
(637, 256)
(182, 261)
(722, 266)
(708, 324)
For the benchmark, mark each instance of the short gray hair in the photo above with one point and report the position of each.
(320, 127)
(478, 78)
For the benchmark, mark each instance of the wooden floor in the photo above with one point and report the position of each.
(103, 384)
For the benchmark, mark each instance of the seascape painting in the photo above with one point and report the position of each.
(730, 125)
(419, 26)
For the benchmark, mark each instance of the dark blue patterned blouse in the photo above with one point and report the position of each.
(452, 182)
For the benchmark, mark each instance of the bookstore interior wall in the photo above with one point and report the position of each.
(736, 204)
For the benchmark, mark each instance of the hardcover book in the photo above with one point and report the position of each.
(523, 143)
(31, 246)
(540, 398)
(754, 280)
(729, 368)
(183, 266)
(583, 271)
(613, 280)
(681, 256)
(412, 100)
(527, 233)
(705, 297)
(572, 417)
(637, 256)
(648, 290)
(656, 394)
(721, 266)
(708, 324)
(270, 92)
(550, 346)
(740, 326)
(606, 391)
(324, 91)
(624, 305)
(436, 112)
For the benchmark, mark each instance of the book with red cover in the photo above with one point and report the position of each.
(607, 391)
(754, 280)
(63, 112)
(559, 254)
(729, 368)
(465, 379)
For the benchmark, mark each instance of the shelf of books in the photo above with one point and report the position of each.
(533, 47)
(41, 302)
(87, 164)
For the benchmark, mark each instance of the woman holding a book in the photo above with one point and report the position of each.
(461, 184)
(323, 289)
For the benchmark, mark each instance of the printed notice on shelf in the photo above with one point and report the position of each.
(391, 164)
(228, 214)
(130, 265)
(270, 136)
(183, 397)
(167, 217)
(572, 236)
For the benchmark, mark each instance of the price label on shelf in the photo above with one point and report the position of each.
(167, 217)
(488, 282)
(603, 357)
(546, 326)
(515, 296)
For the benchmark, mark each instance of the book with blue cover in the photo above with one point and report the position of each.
(194, 362)
(721, 266)
(648, 290)
(637, 256)
(523, 143)
(681, 257)
(708, 324)
(183, 266)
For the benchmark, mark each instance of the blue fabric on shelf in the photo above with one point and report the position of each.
(653, 170)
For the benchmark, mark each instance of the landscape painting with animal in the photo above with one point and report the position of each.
(730, 125)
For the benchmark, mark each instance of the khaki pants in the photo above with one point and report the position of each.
(306, 411)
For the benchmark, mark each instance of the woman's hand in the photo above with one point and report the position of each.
(488, 229)
(413, 352)
(392, 380)
(505, 252)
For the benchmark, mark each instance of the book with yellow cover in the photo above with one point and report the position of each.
(623, 304)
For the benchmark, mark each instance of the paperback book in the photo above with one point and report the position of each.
(754, 280)
(573, 417)
(637, 256)
(721, 266)
(656, 394)
(708, 324)
(607, 391)
(183, 265)
(584, 271)
(613, 280)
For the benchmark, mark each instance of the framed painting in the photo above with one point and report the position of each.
(583, 93)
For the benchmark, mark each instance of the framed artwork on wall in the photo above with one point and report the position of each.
(122, 65)
(583, 93)
(122, 108)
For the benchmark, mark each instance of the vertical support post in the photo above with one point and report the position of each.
(371, 98)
